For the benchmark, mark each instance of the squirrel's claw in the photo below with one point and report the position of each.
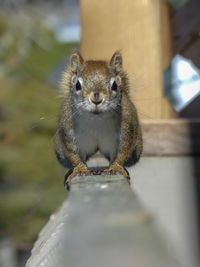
(117, 168)
(80, 169)
(67, 179)
(68, 184)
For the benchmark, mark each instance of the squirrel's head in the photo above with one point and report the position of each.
(96, 86)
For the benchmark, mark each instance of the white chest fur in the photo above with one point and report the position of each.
(97, 132)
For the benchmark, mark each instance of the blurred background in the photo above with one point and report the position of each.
(160, 44)
(36, 38)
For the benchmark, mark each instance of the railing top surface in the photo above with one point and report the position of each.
(102, 223)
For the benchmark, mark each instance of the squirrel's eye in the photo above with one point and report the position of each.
(78, 86)
(114, 86)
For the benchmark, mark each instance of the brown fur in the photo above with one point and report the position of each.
(97, 72)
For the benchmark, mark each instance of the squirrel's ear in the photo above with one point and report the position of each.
(76, 61)
(116, 62)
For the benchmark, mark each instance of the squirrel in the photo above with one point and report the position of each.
(97, 115)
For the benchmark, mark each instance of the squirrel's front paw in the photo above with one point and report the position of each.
(80, 169)
(117, 168)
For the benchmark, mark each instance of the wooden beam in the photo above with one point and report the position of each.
(101, 224)
(166, 43)
(176, 137)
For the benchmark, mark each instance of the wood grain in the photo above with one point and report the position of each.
(171, 137)
(134, 27)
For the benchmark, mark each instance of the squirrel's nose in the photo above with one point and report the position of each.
(96, 98)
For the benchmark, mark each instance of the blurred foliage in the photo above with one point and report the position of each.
(31, 180)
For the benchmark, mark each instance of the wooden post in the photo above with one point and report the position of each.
(135, 28)
(167, 53)
(101, 224)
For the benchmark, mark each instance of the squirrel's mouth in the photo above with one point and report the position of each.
(96, 108)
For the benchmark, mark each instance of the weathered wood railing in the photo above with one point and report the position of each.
(102, 223)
